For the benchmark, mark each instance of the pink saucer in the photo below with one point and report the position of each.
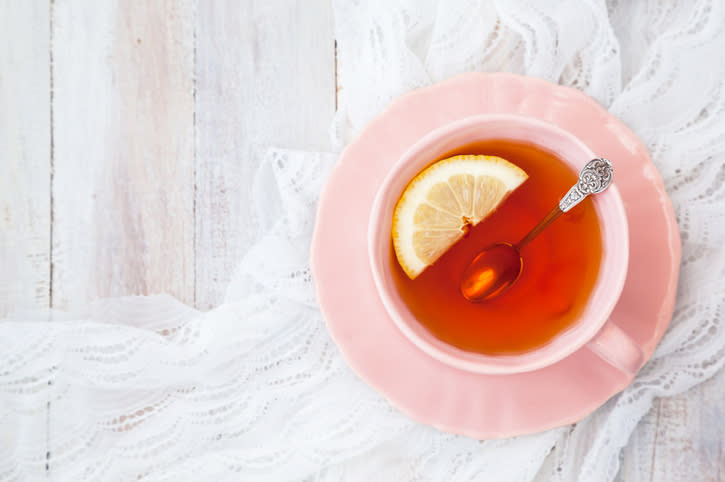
(453, 400)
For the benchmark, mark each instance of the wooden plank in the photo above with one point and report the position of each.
(24, 155)
(265, 76)
(681, 439)
(123, 150)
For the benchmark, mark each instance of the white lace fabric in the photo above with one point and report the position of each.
(147, 388)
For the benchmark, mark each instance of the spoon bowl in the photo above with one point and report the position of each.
(492, 271)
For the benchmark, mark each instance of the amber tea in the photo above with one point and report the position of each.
(560, 266)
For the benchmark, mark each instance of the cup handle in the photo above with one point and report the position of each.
(615, 347)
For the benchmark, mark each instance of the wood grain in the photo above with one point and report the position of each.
(265, 76)
(123, 150)
(24, 155)
(681, 438)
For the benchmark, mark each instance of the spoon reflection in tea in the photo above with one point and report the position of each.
(498, 266)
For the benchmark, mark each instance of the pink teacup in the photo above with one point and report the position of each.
(591, 328)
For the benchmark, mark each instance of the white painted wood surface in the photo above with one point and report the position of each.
(123, 149)
(159, 116)
(265, 76)
(24, 155)
(681, 439)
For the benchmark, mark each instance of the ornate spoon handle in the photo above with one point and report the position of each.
(595, 177)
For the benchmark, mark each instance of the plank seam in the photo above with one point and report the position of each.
(51, 267)
(51, 81)
(194, 156)
(337, 87)
(654, 443)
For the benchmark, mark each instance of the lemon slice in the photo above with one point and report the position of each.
(440, 204)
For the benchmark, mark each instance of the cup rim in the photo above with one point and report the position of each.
(564, 343)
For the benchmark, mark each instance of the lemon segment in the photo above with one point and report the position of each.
(443, 201)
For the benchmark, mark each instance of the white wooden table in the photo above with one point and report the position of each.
(129, 132)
